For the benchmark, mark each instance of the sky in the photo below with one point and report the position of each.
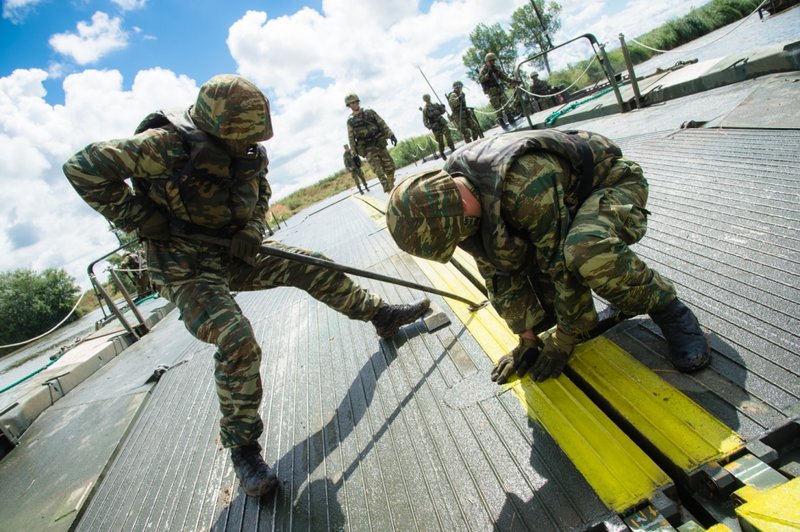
(77, 71)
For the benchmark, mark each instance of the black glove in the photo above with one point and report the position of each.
(557, 349)
(519, 360)
(245, 244)
(155, 226)
(393, 139)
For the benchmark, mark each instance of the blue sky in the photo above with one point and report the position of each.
(77, 71)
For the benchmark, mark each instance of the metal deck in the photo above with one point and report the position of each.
(410, 434)
(364, 433)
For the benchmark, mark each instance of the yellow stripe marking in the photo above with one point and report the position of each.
(688, 435)
(619, 471)
(776, 509)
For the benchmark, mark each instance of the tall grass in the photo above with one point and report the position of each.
(671, 34)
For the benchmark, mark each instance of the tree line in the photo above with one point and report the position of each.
(531, 27)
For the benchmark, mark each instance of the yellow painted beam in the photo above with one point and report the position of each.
(776, 509)
(619, 471)
(688, 435)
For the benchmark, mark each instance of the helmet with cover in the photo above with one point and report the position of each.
(233, 109)
(425, 215)
(490, 57)
(350, 98)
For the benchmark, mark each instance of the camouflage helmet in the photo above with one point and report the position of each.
(230, 107)
(534, 74)
(425, 215)
(490, 57)
(350, 98)
(426, 97)
(457, 84)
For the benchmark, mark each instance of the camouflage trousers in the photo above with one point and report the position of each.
(211, 314)
(499, 100)
(381, 162)
(467, 126)
(441, 135)
(597, 246)
(358, 177)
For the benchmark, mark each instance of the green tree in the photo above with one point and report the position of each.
(532, 32)
(487, 39)
(32, 303)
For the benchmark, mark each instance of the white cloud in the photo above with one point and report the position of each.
(309, 61)
(93, 41)
(17, 10)
(306, 63)
(130, 5)
(39, 207)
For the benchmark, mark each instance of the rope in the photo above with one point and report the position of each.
(736, 27)
(510, 100)
(594, 58)
(51, 330)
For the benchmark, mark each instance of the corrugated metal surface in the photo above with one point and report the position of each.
(360, 430)
(367, 434)
(725, 228)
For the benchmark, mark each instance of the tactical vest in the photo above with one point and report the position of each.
(486, 163)
(488, 78)
(210, 192)
(433, 116)
(458, 102)
(366, 128)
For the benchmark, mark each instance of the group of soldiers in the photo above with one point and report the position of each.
(367, 131)
(548, 216)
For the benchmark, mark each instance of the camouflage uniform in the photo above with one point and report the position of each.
(546, 218)
(490, 78)
(541, 87)
(185, 175)
(352, 164)
(368, 133)
(462, 117)
(433, 117)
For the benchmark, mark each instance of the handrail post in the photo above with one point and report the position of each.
(113, 307)
(606, 64)
(142, 325)
(631, 74)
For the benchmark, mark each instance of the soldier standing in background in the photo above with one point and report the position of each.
(542, 90)
(202, 173)
(462, 115)
(368, 134)
(549, 217)
(491, 78)
(433, 116)
(352, 164)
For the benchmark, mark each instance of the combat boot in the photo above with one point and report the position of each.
(390, 318)
(442, 154)
(255, 476)
(688, 347)
(502, 123)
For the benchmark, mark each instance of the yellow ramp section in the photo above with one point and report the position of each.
(618, 470)
(687, 434)
(777, 509)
